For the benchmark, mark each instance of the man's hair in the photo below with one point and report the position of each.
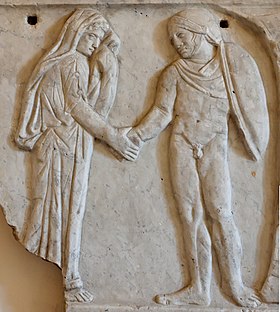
(200, 21)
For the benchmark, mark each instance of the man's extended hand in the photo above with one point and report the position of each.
(135, 138)
(124, 146)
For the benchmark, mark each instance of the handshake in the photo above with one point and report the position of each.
(126, 142)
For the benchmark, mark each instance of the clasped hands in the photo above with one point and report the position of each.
(127, 143)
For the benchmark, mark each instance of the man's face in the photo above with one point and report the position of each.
(183, 41)
(90, 41)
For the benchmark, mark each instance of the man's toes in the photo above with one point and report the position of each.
(79, 298)
(255, 301)
(250, 302)
(161, 299)
(255, 297)
(158, 299)
(89, 296)
(84, 296)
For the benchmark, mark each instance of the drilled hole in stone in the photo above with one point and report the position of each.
(32, 20)
(224, 24)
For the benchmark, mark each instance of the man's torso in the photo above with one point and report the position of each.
(197, 115)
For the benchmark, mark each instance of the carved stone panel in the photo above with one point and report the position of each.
(141, 150)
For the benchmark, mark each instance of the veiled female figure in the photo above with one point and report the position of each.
(65, 106)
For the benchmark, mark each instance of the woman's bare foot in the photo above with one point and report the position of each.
(246, 297)
(78, 295)
(185, 296)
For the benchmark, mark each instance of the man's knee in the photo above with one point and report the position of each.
(221, 214)
(218, 203)
(190, 212)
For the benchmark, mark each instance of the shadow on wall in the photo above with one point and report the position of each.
(27, 283)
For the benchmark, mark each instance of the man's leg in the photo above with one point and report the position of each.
(216, 186)
(186, 189)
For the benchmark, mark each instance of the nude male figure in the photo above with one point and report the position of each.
(193, 93)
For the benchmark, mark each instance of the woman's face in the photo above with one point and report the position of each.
(183, 41)
(90, 41)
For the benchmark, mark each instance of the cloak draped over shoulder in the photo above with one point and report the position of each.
(207, 79)
(244, 85)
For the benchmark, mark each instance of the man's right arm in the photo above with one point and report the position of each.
(161, 113)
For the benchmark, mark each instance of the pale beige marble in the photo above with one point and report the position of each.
(131, 244)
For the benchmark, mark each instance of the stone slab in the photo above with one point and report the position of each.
(132, 243)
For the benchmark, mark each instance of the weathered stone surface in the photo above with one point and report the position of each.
(135, 244)
(104, 308)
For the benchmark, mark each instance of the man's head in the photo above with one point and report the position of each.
(187, 29)
(184, 41)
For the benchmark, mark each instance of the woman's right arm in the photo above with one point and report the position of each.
(77, 105)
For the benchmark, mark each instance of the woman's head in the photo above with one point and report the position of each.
(86, 23)
(90, 28)
(91, 38)
(81, 23)
(97, 32)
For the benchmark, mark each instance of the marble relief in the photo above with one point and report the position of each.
(210, 87)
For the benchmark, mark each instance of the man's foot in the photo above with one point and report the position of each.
(185, 296)
(246, 297)
(78, 295)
